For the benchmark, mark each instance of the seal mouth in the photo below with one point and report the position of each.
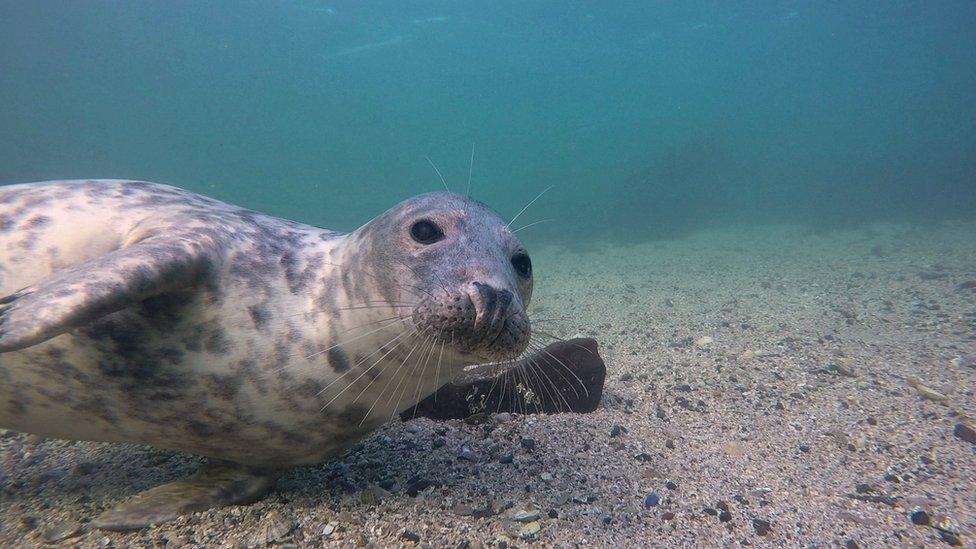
(481, 321)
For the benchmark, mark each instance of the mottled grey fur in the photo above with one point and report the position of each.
(139, 312)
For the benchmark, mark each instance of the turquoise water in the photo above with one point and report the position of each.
(650, 119)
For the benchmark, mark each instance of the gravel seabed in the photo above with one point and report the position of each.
(767, 384)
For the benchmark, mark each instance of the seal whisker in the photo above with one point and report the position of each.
(537, 197)
(568, 369)
(438, 172)
(467, 191)
(411, 370)
(388, 383)
(532, 372)
(534, 223)
(398, 319)
(405, 373)
(420, 378)
(399, 285)
(359, 363)
(540, 348)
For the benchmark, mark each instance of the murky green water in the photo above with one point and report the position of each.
(648, 118)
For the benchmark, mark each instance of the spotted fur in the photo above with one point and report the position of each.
(139, 312)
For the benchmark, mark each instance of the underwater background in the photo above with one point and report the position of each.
(649, 119)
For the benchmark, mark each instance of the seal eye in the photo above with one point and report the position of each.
(426, 232)
(522, 264)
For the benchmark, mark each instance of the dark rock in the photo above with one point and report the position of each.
(417, 485)
(725, 516)
(920, 517)
(670, 485)
(617, 430)
(580, 389)
(851, 544)
(863, 488)
(762, 527)
(652, 500)
(528, 444)
(710, 511)
(507, 458)
(951, 538)
(667, 516)
(410, 536)
(965, 432)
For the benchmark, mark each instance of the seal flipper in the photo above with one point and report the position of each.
(82, 293)
(216, 484)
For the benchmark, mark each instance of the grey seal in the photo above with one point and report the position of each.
(138, 312)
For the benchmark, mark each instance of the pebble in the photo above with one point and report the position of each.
(276, 528)
(528, 443)
(965, 431)
(667, 516)
(843, 368)
(925, 391)
(652, 500)
(704, 341)
(530, 530)
(507, 458)
(527, 514)
(410, 536)
(617, 430)
(61, 531)
(920, 517)
(762, 527)
(329, 529)
(468, 454)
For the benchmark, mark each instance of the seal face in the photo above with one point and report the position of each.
(139, 312)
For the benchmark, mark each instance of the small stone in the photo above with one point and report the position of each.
(851, 544)
(745, 356)
(863, 488)
(670, 485)
(667, 516)
(502, 417)
(529, 530)
(329, 529)
(276, 527)
(710, 511)
(527, 444)
(467, 454)
(762, 527)
(925, 391)
(843, 367)
(417, 485)
(703, 342)
(617, 430)
(507, 458)
(626, 377)
(920, 517)
(527, 514)
(61, 531)
(584, 500)
(725, 516)
(950, 538)
(407, 535)
(652, 500)
(965, 431)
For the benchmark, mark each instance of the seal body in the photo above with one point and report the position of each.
(139, 312)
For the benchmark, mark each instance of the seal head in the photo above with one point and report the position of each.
(471, 276)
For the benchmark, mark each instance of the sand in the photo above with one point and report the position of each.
(768, 387)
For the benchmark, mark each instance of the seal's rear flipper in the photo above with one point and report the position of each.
(80, 294)
(216, 484)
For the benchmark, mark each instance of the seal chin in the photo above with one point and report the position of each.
(480, 321)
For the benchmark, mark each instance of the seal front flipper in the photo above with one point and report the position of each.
(216, 484)
(82, 293)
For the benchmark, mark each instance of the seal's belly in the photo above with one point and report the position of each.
(197, 385)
